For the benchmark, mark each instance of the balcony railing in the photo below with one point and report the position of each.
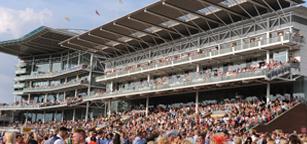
(21, 64)
(67, 102)
(199, 79)
(21, 71)
(243, 47)
(52, 74)
(73, 83)
(19, 85)
(18, 92)
(292, 68)
(5, 118)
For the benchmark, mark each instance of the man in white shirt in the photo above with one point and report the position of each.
(61, 136)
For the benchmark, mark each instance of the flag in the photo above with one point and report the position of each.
(97, 13)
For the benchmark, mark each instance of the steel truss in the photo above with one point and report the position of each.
(237, 30)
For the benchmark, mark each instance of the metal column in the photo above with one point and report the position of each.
(268, 93)
(105, 109)
(76, 93)
(29, 98)
(62, 115)
(267, 56)
(90, 75)
(109, 108)
(196, 101)
(148, 78)
(74, 115)
(26, 121)
(197, 68)
(44, 115)
(111, 86)
(147, 105)
(79, 58)
(86, 110)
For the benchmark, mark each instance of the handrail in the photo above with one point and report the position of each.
(52, 74)
(57, 87)
(44, 105)
(204, 54)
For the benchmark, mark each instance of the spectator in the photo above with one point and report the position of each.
(78, 137)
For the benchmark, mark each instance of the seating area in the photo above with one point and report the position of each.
(178, 122)
(181, 56)
(255, 68)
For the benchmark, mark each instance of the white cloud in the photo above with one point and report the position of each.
(15, 22)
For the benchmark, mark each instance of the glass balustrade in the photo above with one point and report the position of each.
(56, 87)
(52, 74)
(205, 54)
(34, 105)
(201, 78)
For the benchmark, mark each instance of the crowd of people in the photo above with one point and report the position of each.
(227, 121)
(205, 75)
(204, 52)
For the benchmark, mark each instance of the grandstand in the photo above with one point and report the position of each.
(172, 51)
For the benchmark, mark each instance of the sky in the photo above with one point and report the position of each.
(19, 17)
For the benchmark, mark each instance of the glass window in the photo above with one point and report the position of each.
(281, 56)
(41, 68)
(64, 65)
(73, 62)
(85, 59)
(56, 67)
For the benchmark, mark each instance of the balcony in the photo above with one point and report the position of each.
(206, 54)
(53, 88)
(21, 64)
(18, 92)
(20, 71)
(50, 75)
(45, 105)
(197, 79)
(19, 85)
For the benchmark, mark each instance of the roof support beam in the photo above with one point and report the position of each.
(258, 4)
(43, 46)
(98, 43)
(191, 12)
(172, 19)
(49, 39)
(11, 51)
(124, 35)
(107, 39)
(88, 49)
(83, 50)
(35, 48)
(151, 24)
(133, 29)
(292, 1)
(223, 8)
(91, 42)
